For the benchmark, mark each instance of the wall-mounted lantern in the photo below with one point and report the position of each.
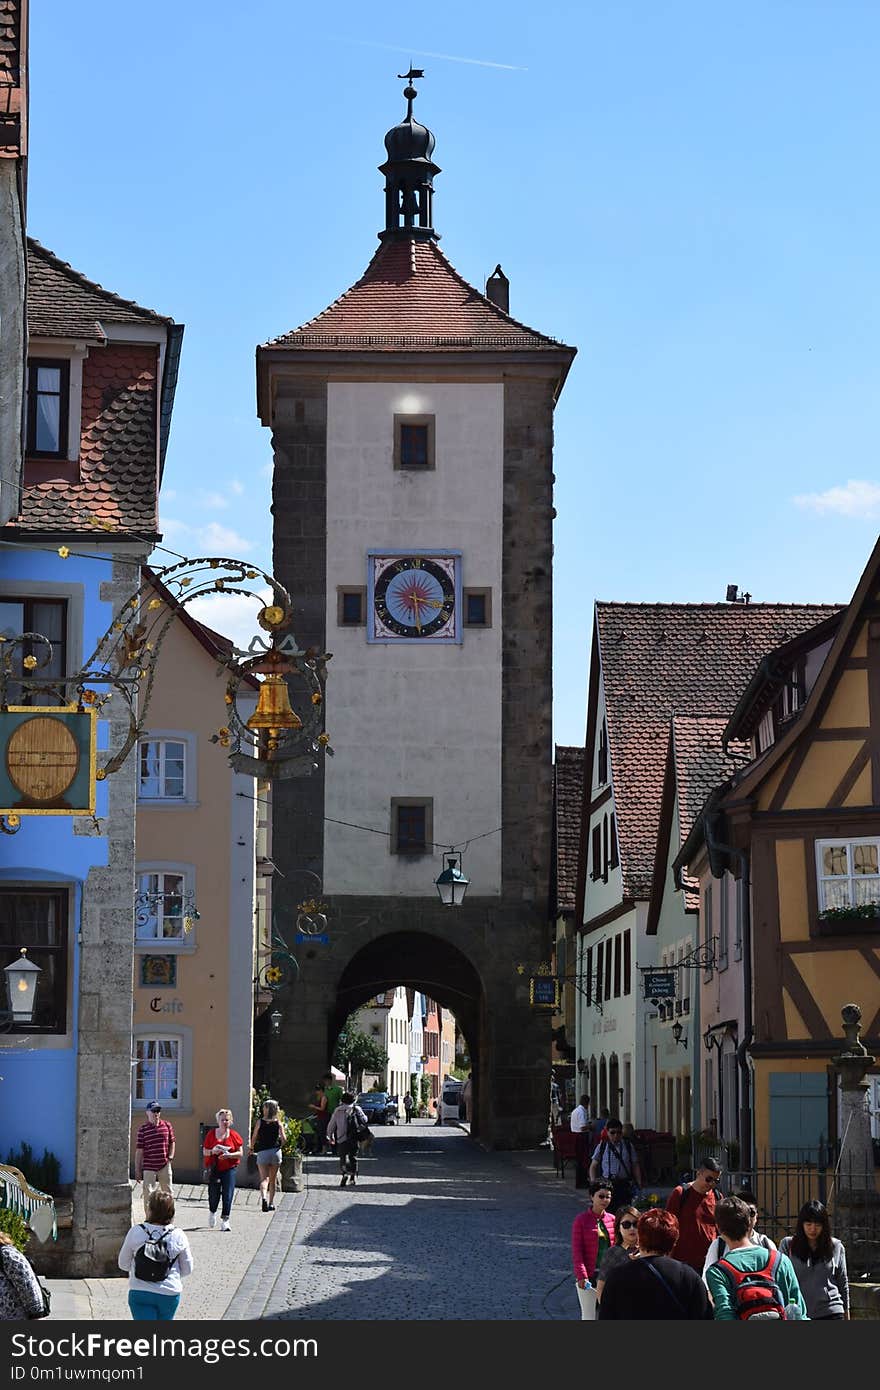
(21, 985)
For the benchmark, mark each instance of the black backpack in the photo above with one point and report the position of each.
(152, 1262)
(356, 1126)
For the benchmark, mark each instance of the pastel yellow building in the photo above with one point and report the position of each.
(196, 905)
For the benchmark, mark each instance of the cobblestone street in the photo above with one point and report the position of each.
(435, 1229)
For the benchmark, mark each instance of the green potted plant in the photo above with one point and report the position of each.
(291, 1155)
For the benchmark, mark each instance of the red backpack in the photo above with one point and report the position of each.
(756, 1293)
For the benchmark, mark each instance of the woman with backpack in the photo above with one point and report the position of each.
(347, 1123)
(819, 1261)
(156, 1256)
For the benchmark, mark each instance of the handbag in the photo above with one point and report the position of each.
(251, 1163)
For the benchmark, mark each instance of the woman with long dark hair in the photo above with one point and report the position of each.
(819, 1261)
(592, 1236)
(625, 1247)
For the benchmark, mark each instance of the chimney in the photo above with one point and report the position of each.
(498, 289)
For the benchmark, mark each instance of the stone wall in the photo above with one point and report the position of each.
(102, 1193)
(509, 1043)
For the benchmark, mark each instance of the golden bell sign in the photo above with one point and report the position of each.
(47, 761)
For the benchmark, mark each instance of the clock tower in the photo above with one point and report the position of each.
(412, 429)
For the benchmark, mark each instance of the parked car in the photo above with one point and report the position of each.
(379, 1107)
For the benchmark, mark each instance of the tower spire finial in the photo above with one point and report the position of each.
(409, 171)
(409, 91)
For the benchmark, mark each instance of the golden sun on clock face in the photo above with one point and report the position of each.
(414, 597)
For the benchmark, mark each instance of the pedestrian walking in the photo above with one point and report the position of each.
(693, 1206)
(579, 1124)
(320, 1117)
(467, 1092)
(719, 1244)
(625, 1247)
(819, 1262)
(615, 1160)
(154, 1151)
(408, 1106)
(592, 1236)
(749, 1281)
(267, 1140)
(343, 1141)
(332, 1093)
(654, 1286)
(157, 1257)
(21, 1293)
(222, 1150)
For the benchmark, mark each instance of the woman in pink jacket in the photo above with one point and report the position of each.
(592, 1235)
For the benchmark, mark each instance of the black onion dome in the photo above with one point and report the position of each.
(409, 140)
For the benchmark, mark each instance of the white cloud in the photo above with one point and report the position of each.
(857, 498)
(214, 501)
(236, 487)
(212, 539)
(216, 539)
(233, 615)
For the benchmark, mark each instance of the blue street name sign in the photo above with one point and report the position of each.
(302, 938)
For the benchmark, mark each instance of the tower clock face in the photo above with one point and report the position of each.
(414, 597)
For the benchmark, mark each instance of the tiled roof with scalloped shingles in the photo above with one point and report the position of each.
(659, 660)
(62, 303)
(118, 482)
(568, 795)
(701, 765)
(411, 298)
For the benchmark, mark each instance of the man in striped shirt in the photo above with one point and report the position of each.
(154, 1150)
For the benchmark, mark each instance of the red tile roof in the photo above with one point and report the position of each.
(63, 303)
(410, 297)
(568, 796)
(118, 481)
(660, 660)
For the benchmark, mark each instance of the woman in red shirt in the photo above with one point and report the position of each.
(592, 1236)
(222, 1150)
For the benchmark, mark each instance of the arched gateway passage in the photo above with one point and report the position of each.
(425, 963)
(507, 1042)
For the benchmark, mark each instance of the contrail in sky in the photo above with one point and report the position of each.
(426, 53)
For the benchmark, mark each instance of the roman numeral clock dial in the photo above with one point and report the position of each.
(414, 597)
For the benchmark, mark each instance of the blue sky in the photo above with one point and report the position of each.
(686, 192)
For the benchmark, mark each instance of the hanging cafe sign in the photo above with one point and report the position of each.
(48, 759)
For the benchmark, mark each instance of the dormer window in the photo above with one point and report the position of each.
(765, 736)
(794, 691)
(48, 403)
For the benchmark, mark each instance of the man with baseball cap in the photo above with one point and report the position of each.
(154, 1150)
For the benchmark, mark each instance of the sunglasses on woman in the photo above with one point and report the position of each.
(628, 1225)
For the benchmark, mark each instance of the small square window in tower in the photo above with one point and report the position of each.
(478, 607)
(411, 825)
(351, 606)
(414, 442)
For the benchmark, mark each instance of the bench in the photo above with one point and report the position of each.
(563, 1144)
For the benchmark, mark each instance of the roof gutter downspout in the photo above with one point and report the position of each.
(744, 1048)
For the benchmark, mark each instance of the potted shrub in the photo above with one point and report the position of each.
(292, 1156)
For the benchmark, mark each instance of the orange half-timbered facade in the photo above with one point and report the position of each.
(802, 823)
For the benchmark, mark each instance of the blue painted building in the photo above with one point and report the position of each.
(100, 388)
